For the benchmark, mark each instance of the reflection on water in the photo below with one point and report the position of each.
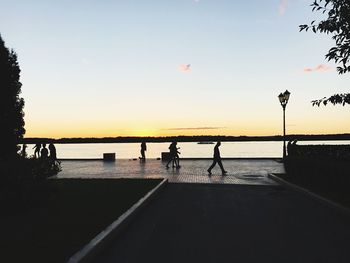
(187, 149)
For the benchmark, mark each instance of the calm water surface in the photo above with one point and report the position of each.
(187, 149)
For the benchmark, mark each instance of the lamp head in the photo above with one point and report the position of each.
(286, 95)
(281, 98)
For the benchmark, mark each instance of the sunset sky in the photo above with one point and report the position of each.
(171, 67)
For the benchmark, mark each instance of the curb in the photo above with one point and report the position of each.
(314, 196)
(279, 159)
(89, 251)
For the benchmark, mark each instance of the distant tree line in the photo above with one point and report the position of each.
(201, 138)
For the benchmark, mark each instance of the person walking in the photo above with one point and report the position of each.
(217, 159)
(174, 155)
(172, 149)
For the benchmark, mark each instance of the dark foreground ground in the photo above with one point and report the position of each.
(233, 223)
(63, 216)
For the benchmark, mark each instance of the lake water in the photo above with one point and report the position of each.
(187, 149)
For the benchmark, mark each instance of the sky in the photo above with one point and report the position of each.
(106, 68)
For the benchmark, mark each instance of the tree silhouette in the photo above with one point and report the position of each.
(337, 23)
(11, 104)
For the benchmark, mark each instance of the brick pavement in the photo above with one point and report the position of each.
(241, 171)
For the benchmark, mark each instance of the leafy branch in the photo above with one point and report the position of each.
(337, 23)
(335, 99)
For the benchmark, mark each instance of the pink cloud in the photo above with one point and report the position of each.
(323, 67)
(319, 68)
(282, 8)
(185, 67)
(308, 69)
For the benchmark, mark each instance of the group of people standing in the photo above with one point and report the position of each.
(175, 158)
(40, 151)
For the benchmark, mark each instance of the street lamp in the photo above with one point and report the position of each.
(283, 98)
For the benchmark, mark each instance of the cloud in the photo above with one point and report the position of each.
(185, 67)
(85, 61)
(196, 1)
(323, 67)
(194, 128)
(283, 5)
(307, 70)
(319, 68)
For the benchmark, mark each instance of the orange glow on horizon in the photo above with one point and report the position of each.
(250, 125)
(87, 133)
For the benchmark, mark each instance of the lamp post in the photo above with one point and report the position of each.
(283, 98)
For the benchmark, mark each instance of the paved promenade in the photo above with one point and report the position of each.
(241, 171)
(233, 223)
(241, 217)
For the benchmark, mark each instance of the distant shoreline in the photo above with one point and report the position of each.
(200, 138)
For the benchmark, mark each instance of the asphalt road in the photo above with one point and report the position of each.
(233, 223)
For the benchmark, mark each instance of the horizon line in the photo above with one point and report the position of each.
(175, 136)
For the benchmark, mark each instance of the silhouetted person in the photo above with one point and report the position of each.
(217, 159)
(174, 155)
(291, 147)
(23, 152)
(142, 151)
(177, 157)
(53, 154)
(37, 150)
(44, 152)
(171, 148)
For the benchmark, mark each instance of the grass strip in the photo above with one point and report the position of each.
(67, 218)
